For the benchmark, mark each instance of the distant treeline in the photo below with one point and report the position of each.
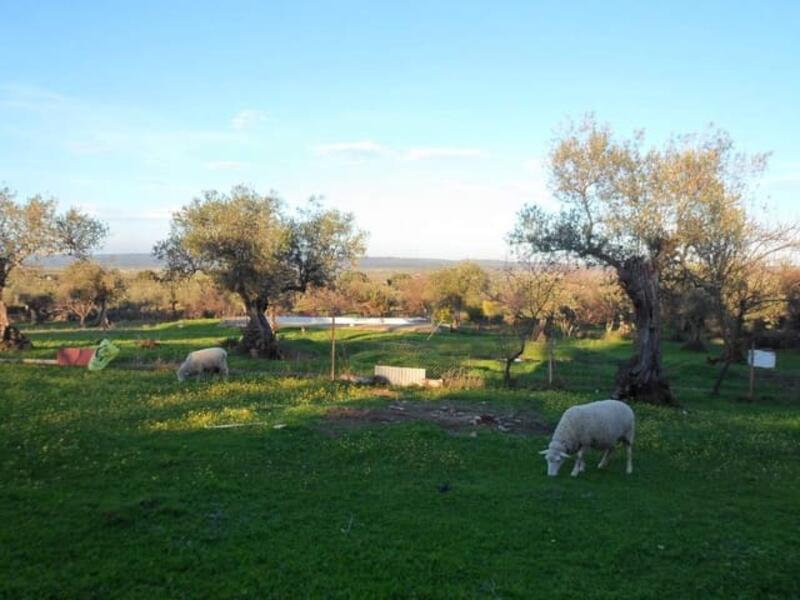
(571, 302)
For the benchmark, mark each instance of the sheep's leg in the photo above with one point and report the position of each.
(604, 461)
(629, 467)
(578, 463)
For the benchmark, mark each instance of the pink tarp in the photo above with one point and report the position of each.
(74, 357)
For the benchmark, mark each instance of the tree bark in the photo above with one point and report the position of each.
(641, 377)
(695, 342)
(734, 340)
(720, 377)
(173, 300)
(507, 372)
(11, 338)
(3, 316)
(273, 317)
(258, 338)
(733, 350)
(4, 323)
(102, 317)
(507, 381)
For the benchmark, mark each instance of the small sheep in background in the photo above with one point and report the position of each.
(212, 360)
(599, 425)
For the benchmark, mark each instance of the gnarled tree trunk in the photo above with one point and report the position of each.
(3, 316)
(733, 351)
(641, 377)
(509, 362)
(3, 312)
(695, 343)
(11, 338)
(102, 317)
(258, 338)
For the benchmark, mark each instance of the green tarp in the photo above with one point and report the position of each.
(104, 354)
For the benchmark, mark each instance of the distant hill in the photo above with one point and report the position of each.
(139, 261)
(133, 261)
(392, 263)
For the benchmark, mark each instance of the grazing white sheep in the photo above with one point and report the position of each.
(214, 360)
(598, 425)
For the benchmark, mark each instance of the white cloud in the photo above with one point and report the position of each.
(225, 165)
(30, 97)
(247, 118)
(407, 216)
(151, 146)
(366, 149)
(535, 166)
(88, 147)
(354, 151)
(788, 173)
(157, 214)
(534, 186)
(126, 214)
(426, 153)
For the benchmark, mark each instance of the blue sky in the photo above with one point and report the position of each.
(428, 120)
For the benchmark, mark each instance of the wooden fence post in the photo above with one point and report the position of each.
(752, 361)
(333, 347)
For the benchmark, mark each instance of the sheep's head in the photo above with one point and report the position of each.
(181, 372)
(555, 457)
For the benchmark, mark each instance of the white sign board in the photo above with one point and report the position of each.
(764, 359)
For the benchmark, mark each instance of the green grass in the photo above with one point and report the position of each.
(581, 365)
(113, 484)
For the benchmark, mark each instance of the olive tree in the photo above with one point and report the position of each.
(415, 296)
(109, 288)
(614, 214)
(726, 252)
(679, 210)
(695, 309)
(248, 245)
(529, 295)
(77, 293)
(86, 287)
(33, 229)
(457, 287)
(738, 272)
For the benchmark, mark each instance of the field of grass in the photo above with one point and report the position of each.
(122, 484)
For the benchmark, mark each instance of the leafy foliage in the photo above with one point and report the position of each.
(454, 289)
(87, 287)
(248, 246)
(33, 228)
(677, 212)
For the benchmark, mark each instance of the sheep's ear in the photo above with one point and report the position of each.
(564, 455)
(543, 451)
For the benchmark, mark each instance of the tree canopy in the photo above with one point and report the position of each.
(248, 245)
(643, 212)
(35, 229)
(458, 287)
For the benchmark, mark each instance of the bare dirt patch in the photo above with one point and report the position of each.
(454, 417)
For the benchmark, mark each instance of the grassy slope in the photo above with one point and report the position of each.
(113, 485)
